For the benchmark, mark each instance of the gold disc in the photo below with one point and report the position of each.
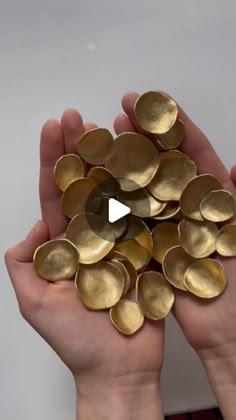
(155, 113)
(141, 202)
(56, 260)
(218, 206)
(127, 317)
(174, 137)
(67, 169)
(194, 192)
(100, 285)
(124, 273)
(175, 263)
(117, 256)
(95, 146)
(155, 295)
(80, 196)
(118, 227)
(139, 231)
(134, 161)
(174, 173)
(108, 185)
(198, 238)
(165, 236)
(171, 210)
(83, 231)
(226, 241)
(136, 253)
(205, 278)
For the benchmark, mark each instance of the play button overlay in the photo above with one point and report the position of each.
(116, 210)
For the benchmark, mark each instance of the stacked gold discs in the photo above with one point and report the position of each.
(176, 220)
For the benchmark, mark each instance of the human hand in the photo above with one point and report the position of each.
(208, 325)
(116, 376)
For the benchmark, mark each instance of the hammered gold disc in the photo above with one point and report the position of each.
(194, 192)
(226, 241)
(205, 278)
(117, 256)
(174, 137)
(67, 169)
(155, 295)
(95, 145)
(141, 202)
(175, 263)
(198, 238)
(56, 260)
(134, 161)
(100, 285)
(108, 185)
(218, 206)
(118, 227)
(136, 253)
(80, 195)
(92, 236)
(127, 317)
(124, 273)
(165, 236)
(139, 231)
(155, 113)
(171, 210)
(172, 176)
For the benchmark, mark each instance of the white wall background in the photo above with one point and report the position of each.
(56, 54)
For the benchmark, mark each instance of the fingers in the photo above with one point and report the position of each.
(195, 144)
(72, 128)
(233, 174)
(123, 124)
(89, 126)
(51, 149)
(28, 286)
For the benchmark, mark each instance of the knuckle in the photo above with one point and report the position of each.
(29, 305)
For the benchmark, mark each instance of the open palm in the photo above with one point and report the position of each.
(86, 341)
(206, 324)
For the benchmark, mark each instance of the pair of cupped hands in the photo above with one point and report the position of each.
(118, 377)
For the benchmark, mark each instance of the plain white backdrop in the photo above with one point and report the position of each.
(86, 54)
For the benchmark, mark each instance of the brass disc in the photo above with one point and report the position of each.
(100, 285)
(56, 260)
(155, 295)
(80, 195)
(141, 202)
(136, 253)
(198, 238)
(108, 185)
(124, 273)
(117, 256)
(165, 236)
(174, 137)
(194, 192)
(67, 169)
(134, 161)
(139, 231)
(171, 210)
(127, 317)
(175, 263)
(155, 113)
(172, 176)
(226, 241)
(218, 206)
(95, 145)
(118, 227)
(205, 278)
(83, 231)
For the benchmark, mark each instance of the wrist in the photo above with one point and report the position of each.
(126, 398)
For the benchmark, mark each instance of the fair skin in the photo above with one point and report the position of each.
(113, 373)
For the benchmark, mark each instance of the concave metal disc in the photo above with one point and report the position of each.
(174, 137)
(198, 238)
(127, 317)
(138, 230)
(117, 256)
(171, 210)
(165, 236)
(100, 285)
(155, 113)
(95, 145)
(56, 260)
(67, 169)
(155, 295)
(226, 241)
(218, 206)
(175, 263)
(124, 273)
(141, 202)
(108, 185)
(205, 278)
(136, 253)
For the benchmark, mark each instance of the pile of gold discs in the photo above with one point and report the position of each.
(177, 220)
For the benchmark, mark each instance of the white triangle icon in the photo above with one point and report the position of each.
(116, 210)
